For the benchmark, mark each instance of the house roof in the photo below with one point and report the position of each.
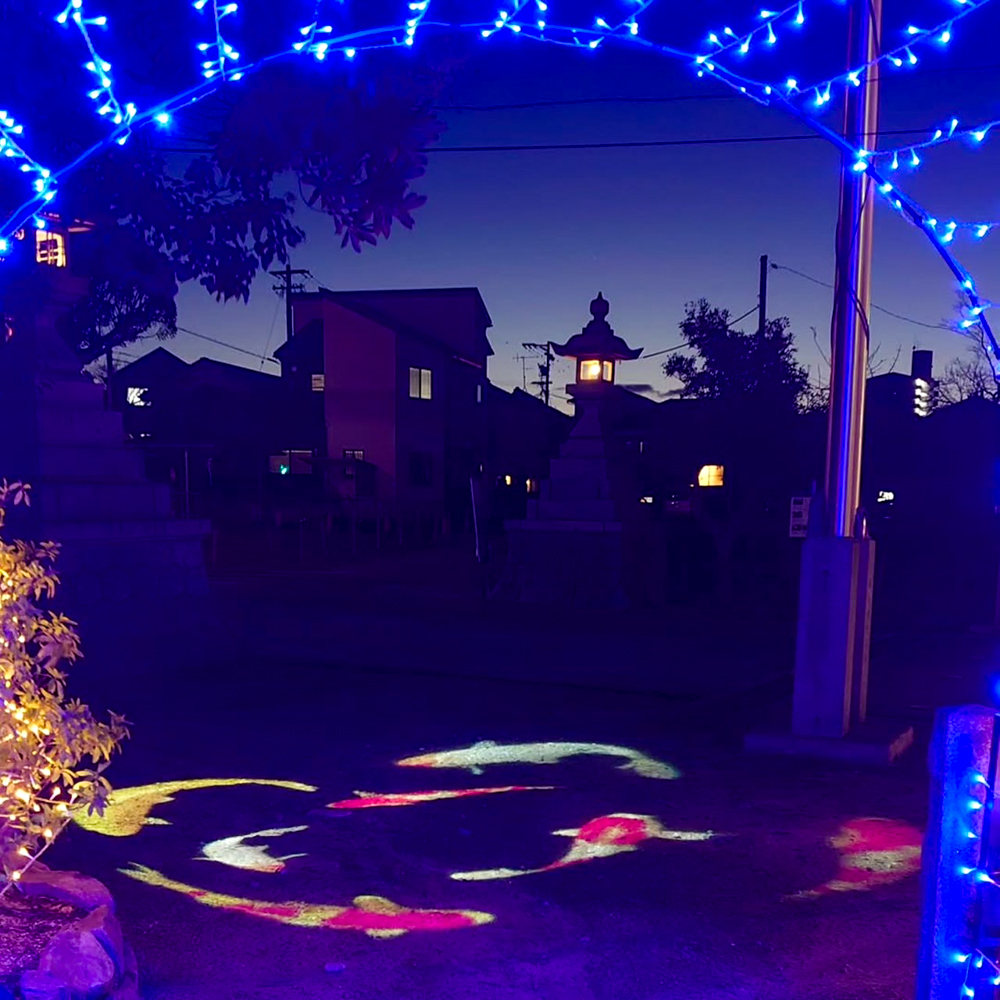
(394, 309)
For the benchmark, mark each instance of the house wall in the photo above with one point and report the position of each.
(360, 401)
(421, 427)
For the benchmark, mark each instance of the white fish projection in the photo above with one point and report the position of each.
(485, 753)
(236, 853)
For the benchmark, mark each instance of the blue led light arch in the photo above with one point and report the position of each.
(220, 63)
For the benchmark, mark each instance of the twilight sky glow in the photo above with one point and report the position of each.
(540, 232)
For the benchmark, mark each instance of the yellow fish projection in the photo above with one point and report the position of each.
(236, 853)
(372, 915)
(616, 833)
(128, 809)
(485, 753)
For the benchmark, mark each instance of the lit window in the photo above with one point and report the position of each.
(479, 393)
(921, 397)
(358, 454)
(136, 395)
(508, 480)
(711, 475)
(318, 382)
(645, 499)
(531, 485)
(420, 383)
(608, 371)
(294, 462)
(885, 496)
(50, 248)
(590, 371)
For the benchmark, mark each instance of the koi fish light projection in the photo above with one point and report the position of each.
(375, 800)
(487, 753)
(616, 833)
(873, 851)
(236, 853)
(127, 811)
(372, 915)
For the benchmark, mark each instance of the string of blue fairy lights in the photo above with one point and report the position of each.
(530, 19)
(978, 968)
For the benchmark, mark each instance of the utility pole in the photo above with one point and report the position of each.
(523, 358)
(762, 298)
(831, 656)
(285, 288)
(544, 380)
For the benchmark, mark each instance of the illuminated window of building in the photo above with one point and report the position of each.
(479, 393)
(50, 248)
(531, 485)
(921, 397)
(508, 480)
(420, 383)
(645, 499)
(608, 371)
(294, 462)
(711, 475)
(318, 382)
(885, 496)
(135, 395)
(590, 371)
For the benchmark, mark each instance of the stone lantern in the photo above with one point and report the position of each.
(596, 350)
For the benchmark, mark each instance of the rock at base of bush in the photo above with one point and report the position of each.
(88, 957)
(66, 887)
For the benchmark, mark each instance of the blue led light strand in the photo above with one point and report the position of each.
(224, 53)
(102, 93)
(728, 40)
(901, 57)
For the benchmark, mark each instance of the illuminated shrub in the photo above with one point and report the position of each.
(52, 750)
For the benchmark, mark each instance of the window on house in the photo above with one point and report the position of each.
(318, 382)
(421, 468)
(135, 395)
(420, 383)
(352, 455)
(711, 475)
(50, 248)
(294, 462)
(531, 485)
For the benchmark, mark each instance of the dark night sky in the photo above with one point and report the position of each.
(540, 232)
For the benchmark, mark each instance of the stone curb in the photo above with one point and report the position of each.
(89, 959)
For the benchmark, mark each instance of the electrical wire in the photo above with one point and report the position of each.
(223, 343)
(881, 309)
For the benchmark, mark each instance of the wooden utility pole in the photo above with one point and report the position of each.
(285, 288)
(762, 298)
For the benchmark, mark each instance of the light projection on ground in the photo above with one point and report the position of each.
(603, 837)
(127, 811)
(873, 851)
(237, 853)
(373, 915)
(487, 753)
(376, 800)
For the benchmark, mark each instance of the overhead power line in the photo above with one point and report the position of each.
(881, 309)
(223, 343)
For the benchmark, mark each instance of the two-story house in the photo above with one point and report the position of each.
(403, 377)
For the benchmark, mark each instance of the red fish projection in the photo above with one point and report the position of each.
(874, 851)
(602, 837)
(374, 800)
(373, 915)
